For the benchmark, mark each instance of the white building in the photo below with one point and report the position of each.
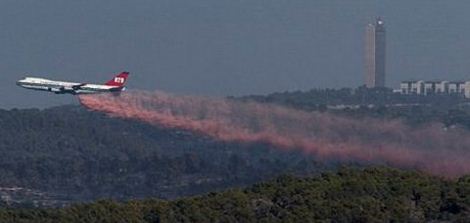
(456, 87)
(443, 87)
(375, 54)
(467, 89)
(421, 87)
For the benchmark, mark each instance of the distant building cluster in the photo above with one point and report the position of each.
(375, 61)
(421, 87)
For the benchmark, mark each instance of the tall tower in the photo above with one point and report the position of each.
(375, 54)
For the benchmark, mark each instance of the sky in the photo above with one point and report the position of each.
(224, 47)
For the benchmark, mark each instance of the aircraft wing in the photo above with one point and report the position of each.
(78, 86)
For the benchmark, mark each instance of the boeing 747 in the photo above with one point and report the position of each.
(117, 84)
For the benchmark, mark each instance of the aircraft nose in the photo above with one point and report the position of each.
(19, 82)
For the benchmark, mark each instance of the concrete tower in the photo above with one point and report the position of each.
(375, 54)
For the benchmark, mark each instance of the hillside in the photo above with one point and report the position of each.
(349, 195)
(67, 154)
(319, 99)
(377, 103)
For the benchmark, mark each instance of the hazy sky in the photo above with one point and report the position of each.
(224, 47)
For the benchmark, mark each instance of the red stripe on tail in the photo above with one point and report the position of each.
(119, 80)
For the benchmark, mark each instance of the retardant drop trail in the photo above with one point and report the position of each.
(326, 136)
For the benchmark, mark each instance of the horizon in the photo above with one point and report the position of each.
(224, 48)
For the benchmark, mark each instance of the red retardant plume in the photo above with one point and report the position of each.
(431, 148)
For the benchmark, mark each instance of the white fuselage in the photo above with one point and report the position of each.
(62, 87)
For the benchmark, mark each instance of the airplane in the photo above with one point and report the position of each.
(115, 85)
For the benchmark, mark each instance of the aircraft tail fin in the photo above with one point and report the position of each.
(119, 80)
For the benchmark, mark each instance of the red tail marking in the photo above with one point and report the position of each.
(119, 80)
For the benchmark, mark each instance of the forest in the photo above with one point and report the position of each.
(374, 194)
(67, 154)
(86, 164)
(381, 103)
(321, 99)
